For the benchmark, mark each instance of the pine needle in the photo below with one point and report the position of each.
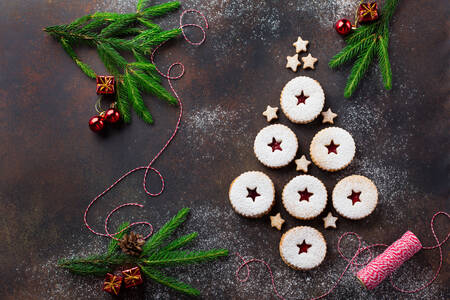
(171, 282)
(383, 62)
(164, 258)
(123, 105)
(359, 69)
(180, 242)
(158, 238)
(135, 98)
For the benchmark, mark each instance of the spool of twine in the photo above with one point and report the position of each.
(390, 260)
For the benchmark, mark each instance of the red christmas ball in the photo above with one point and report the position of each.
(112, 115)
(96, 123)
(343, 26)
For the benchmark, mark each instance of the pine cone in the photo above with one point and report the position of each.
(132, 243)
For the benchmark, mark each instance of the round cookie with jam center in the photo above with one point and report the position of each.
(302, 99)
(303, 248)
(355, 197)
(252, 194)
(332, 149)
(275, 146)
(304, 197)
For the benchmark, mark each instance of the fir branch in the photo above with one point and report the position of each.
(114, 244)
(164, 258)
(180, 242)
(158, 238)
(350, 52)
(97, 265)
(160, 10)
(110, 33)
(362, 44)
(383, 62)
(84, 67)
(171, 282)
(134, 96)
(123, 105)
(359, 69)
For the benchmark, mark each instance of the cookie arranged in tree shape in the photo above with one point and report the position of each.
(304, 197)
(303, 248)
(332, 149)
(252, 194)
(275, 146)
(355, 197)
(302, 99)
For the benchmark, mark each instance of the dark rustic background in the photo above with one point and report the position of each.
(52, 165)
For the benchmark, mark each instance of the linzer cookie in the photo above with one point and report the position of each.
(355, 197)
(302, 100)
(275, 146)
(304, 197)
(303, 248)
(332, 149)
(252, 194)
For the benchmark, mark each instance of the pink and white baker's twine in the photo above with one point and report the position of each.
(150, 167)
(376, 270)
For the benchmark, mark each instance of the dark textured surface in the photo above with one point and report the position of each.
(52, 165)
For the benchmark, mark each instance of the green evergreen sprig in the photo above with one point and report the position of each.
(157, 253)
(113, 33)
(363, 45)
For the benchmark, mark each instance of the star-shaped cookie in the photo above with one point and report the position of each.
(328, 116)
(270, 113)
(309, 61)
(302, 164)
(329, 221)
(293, 62)
(277, 221)
(300, 45)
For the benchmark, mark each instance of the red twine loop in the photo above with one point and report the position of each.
(352, 263)
(150, 167)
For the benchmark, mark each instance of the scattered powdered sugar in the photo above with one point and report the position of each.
(214, 124)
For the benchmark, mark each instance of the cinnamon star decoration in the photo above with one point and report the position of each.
(302, 164)
(309, 61)
(277, 221)
(329, 221)
(270, 113)
(292, 62)
(328, 116)
(300, 45)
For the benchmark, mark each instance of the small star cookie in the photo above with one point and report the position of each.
(329, 221)
(277, 221)
(270, 113)
(309, 61)
(293, 62)
(328, 116)
(302, 164)
(300, 45)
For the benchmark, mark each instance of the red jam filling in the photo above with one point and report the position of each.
(332, 147)
(304, 195)
(275, 145)
(354, 197)
(301, 98)
(303, 247)
(252, 193)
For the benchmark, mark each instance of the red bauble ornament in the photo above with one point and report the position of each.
(96, 123)
(112, 115)
(343, 26)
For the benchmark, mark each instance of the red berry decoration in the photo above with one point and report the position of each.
(343, 26)
(112, 115)
(96, 123)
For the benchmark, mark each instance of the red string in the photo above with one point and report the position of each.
(150, 167)
(353, 263)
